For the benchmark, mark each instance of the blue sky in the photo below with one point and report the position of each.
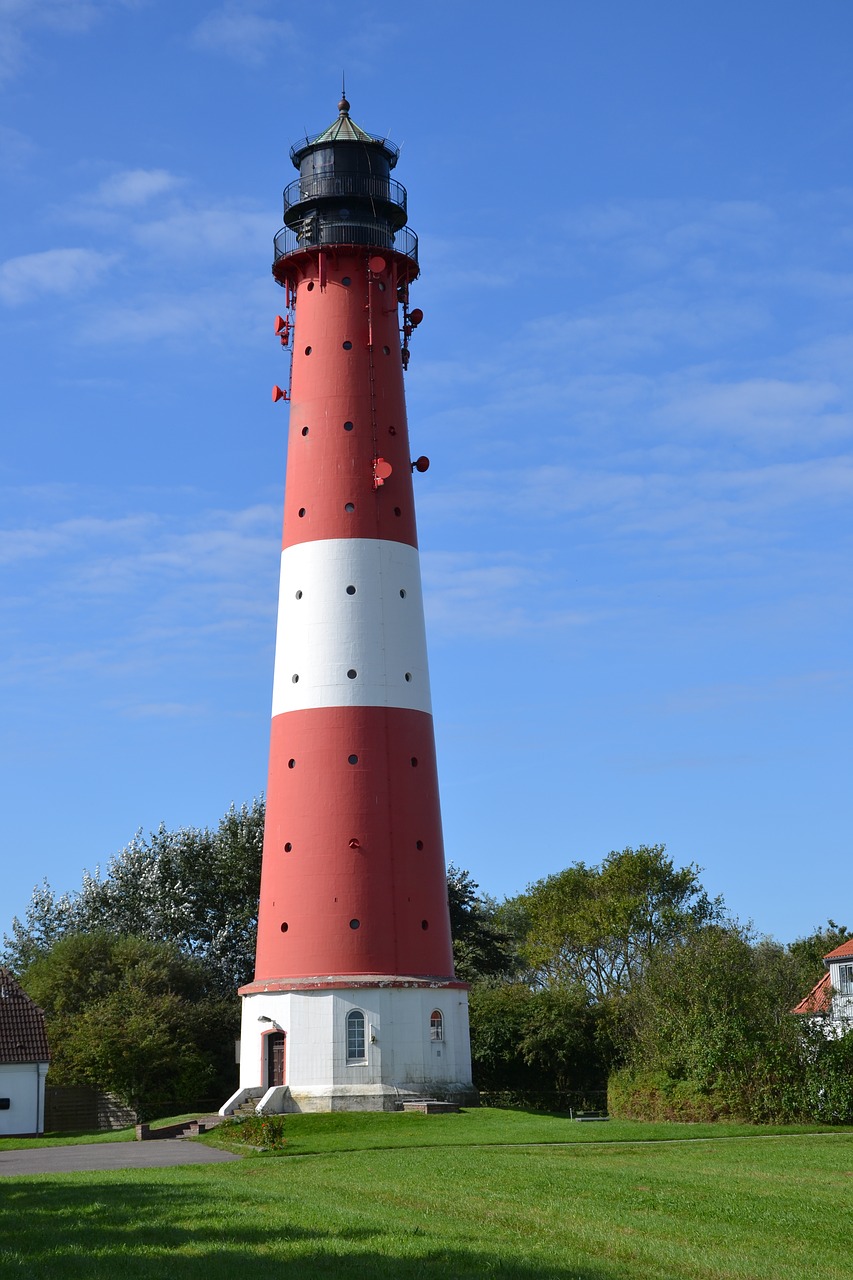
(634, 380)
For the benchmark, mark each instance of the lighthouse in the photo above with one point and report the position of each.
(354, 1004)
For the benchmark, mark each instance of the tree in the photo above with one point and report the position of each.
(133, 1017)
(710, 1030)
(480, 948)
(536, 1042)
(808, 952)
(196, 888)
(598, 927)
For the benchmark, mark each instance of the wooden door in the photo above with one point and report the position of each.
(275, 1058)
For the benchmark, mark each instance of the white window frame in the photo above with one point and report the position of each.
(845, 979)
(351, 1020)
(436, 1026)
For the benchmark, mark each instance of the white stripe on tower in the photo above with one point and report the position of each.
(350, 627)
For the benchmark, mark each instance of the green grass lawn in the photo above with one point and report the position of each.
(95, 1135)
(399, 1197)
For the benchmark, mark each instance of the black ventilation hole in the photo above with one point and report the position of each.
(294, 679)
(307, 351)
(350, 590)
(299, 595)
(352, 759)
(346, 280)
(419, 844)
(425, 924)
(354, 924)
(352, 673)
(284, 926)
(402, 593)
(301, 512)
(347, 426)
(291, 764)
(288, 847)
(408, 677)
(347, 346)
(305, 431)
(349, 506)
(414, 762)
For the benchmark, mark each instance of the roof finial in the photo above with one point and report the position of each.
(343, 105)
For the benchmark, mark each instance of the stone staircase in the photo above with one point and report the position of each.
(186, 1129)
(245, 1109)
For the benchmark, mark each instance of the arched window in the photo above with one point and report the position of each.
(355, 1036)
(436, 1025)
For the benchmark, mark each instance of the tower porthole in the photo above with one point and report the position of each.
(345, 280)
(349, 506)
(288, 846)
(419, 844)
(299, 595)
(352, 673)
(301, 512)
(353, 759)
(425, 924)
(305, 431)
(408, 677)
(402, 593)
(350, 590)
(284, 926)
(307, 351)
(348, 426)
(291, 764)
(354, 924)
(294, 679)
(347, 346)
(414, 762)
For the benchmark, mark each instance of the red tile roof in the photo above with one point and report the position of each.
(846, 949)
(818, 999)
(22, 1033)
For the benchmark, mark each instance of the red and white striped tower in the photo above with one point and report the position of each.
(354, 1004)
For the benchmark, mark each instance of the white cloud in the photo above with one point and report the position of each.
(135, 186)
(504, 593)
(54, 271)
(221, 231)
(238, 32)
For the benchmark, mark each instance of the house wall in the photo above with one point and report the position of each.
(401, 1058)
(842, 1005)
(23, 1085)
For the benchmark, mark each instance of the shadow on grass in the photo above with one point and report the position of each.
(133, 1231)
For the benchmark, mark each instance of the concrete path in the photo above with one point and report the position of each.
(92, 1157)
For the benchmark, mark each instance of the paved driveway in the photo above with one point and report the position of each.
(159, 1154)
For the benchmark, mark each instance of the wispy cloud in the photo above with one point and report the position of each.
(149, 585)
(243, 32)
(132, 187)
(232, 232)
(54, 271)
(506, 593)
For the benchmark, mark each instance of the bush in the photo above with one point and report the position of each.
(656, 1096)
(266, 1132)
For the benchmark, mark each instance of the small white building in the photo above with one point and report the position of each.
(832, 997)
(24, 1061)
